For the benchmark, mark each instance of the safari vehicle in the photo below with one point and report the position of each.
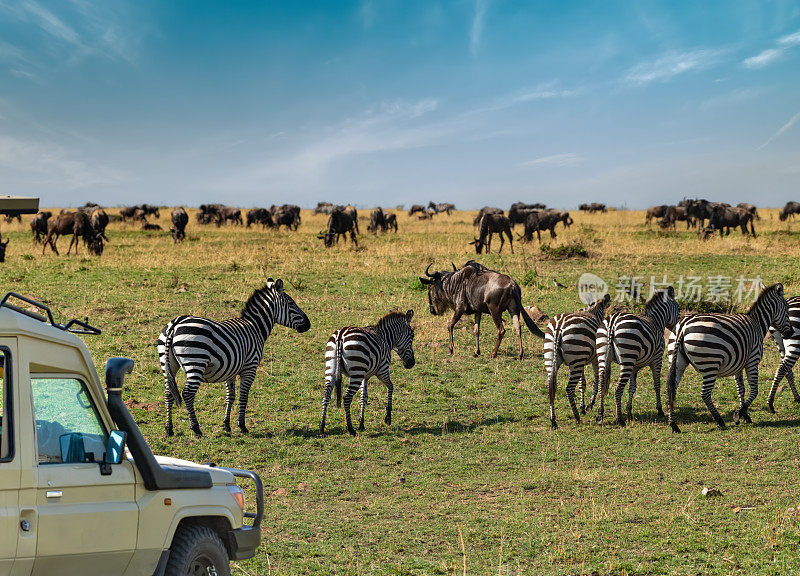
(80, 490)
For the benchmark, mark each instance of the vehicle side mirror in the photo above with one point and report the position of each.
(115, 450)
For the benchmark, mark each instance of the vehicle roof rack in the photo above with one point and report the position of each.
(75, 326)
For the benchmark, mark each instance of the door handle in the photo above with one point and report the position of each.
(53, 494)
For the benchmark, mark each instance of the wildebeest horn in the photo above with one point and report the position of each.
(454, 266)
(427, 271)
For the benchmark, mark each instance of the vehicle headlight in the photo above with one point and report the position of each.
(238, 495)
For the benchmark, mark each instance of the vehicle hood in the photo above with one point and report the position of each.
(218, 475)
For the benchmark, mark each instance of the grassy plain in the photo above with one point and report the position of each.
(488, 487)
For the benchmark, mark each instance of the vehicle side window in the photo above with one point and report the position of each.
(68, 428)
(6, 445)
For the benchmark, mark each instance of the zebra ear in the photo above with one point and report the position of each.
(779, 289)
(409, 316)
(671, 292)
(279, 285)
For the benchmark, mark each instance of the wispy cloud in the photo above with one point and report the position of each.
(558, 160)
(368, 14)
(476, 30)
(542, 91)
(672, 64)
(782, 129)
(733, 97)
(784, 45)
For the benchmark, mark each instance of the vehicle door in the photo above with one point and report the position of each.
(10, 521)
(87, 521)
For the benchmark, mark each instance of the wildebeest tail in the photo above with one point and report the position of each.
(528, 320)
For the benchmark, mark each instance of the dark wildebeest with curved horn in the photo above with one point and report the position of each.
(340, 223)
(519, 211)
(476, 290)
(727, 218)
(99, 221)
(655, 212)
(789, 210)
(179, 219)
(493, 224)
(484, 211)
(539, 220)
(77, 224)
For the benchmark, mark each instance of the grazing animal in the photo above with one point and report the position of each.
(361, 353)
(492, 224)
(789, 211)
(790, 352)
(287, 215)
(725, 345)
(569, 339)
(377, 221)
(416, 208)
(445, 207)
(353, 213)
(725, 217)
(227, 214)
(592, 208)
(674, 213)
(3, 246)
(39, 226)
(99, 221)
(655, 212)
(208, 213)
(635, 342)
(476, 290)
(391, 220)
(539, 220)
(77, 224)
(425, 215)
(179, 221)
(260, 216)
(483, 211)
(213, 351)
(519, 211)
(340, 223)
(749, 208)
(324, 208)
(10, 218)
(147, 226)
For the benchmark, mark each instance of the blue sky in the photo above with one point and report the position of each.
(471, 101)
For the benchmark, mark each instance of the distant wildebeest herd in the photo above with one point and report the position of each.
(88, 223)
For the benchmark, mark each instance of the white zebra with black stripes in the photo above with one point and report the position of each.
(790, 352)
(363, 352)
(635, 342)
(725, 345)
(214, 351)
(569, 339)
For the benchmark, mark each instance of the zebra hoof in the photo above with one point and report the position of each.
(553, 425)
(583, 411)
(197, 433)
(475, 354)
(675, 427)
(352, 432)
(168, 430)
(388, 420)
(226, 427)
(243, 429)
(622, 422)
(746, 417)
(770, 408)
(660, 413)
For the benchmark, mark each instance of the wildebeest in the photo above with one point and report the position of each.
(287, 215)
(655, 212)
(226, 214)
(519, 211)
(750, 208)
(260, 216)
(351, 211)
(340, 222)
(416, 208)
(493, 224)
(152, 227)
(476, 290)
(727, 217)
(39, 226)
(208, 213)
(789, 210)
(674, 213)
(324, 208)
(179, 221)
(98, 221)
(539, 220)
(445, 207)
(485, 210)
(10, 218)
(77, 224)
(592, 207)
(391, 220)
(3, 246)
(425, 215)
(377, 221)
(134, 212)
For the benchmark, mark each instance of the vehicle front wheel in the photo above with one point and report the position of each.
(197, 551)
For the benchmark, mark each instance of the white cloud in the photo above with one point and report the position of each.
(672, 64)
(476, 30)
(765, 58)
(790, 39)
(558, 160)
(792, 121)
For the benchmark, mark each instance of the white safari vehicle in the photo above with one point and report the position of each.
(80, 490)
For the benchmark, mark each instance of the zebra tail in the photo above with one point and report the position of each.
(337, 371)
(672, 377)
(552, 380)
(170, 377)
(535, 330)
(606, 360)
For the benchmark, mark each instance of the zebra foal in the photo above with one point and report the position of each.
(214, 351)
(726, 345)
(790, 352)
(361, 353)
(569, 339)
(635, 342)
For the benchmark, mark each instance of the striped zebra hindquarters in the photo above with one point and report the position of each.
(790, 351)
(570, 340)
(726, 345)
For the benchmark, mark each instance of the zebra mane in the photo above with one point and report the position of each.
(765, 293)
(253, 299)
(658, 295)
(393, 315)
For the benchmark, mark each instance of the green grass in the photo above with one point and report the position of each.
(470, 435)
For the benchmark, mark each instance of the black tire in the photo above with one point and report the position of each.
(197, 551)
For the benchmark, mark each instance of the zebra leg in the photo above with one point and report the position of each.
(655, 368)
(752, 380)
(575, 374)
(326, 399)
(552, 383)
(169, 366)
(595, 389)
(247, 377)
(708, 386)
(790, 380)
(739, 378)
(363, 404)
(355, 384)
(477, 331)
(624, 376)
(389, 389)
(193, 381)
(582, 390)
(631, 392)
(788, 359)
(230, 397)
(677, 366)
